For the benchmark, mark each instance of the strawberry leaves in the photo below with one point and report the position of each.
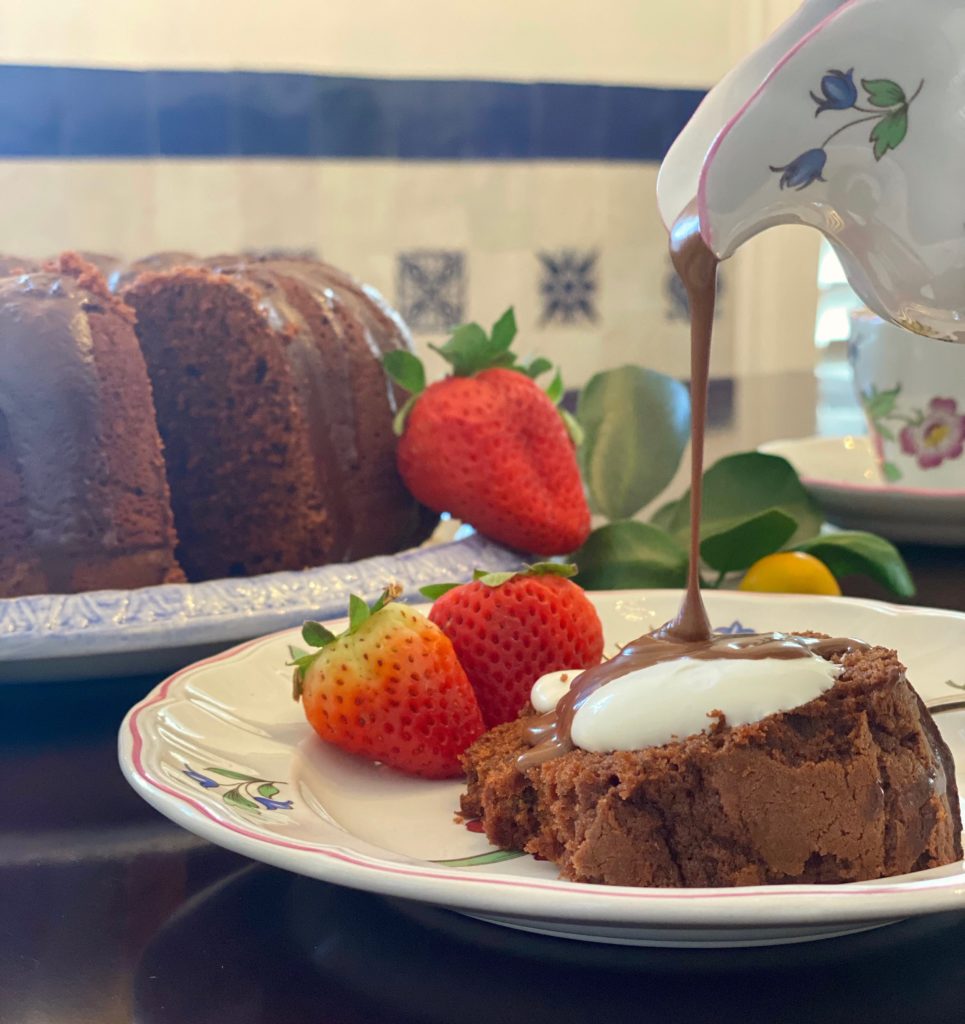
(471, 350)
(534, 367)
(497, 579)
(433, 591)
(406, 370)
(316, 635)
(319, 636)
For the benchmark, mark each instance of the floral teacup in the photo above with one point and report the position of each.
(913, 395)
(849, 119)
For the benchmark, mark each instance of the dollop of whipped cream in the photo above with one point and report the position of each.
(672, 699)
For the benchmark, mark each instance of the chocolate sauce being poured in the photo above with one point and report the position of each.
(689, 634)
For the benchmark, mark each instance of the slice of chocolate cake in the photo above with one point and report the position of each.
(856, 784)
(275, 412)
(83, 497)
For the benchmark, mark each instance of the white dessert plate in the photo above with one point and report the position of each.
(111, 633)
(841, 475)
(221, 749)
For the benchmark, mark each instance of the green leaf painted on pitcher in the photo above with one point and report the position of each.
(889, 132)
(882, 92)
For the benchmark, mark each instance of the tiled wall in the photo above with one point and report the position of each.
(459, 186)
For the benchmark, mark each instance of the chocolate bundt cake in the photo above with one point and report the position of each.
(264, 383)
(856, 784)
(84, 503)
(275, 413)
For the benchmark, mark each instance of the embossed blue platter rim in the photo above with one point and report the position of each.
(110, 633)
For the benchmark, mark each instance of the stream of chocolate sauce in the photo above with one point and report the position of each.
(689, 634)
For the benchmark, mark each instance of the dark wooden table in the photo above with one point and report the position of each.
(110, 914)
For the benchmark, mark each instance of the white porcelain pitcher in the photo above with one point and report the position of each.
(850, 118)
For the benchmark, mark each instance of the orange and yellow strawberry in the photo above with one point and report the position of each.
(389, 688)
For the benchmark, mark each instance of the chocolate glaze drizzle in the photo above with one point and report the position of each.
(689, 634)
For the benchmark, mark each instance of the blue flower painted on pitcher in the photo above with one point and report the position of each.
(838, 92)
(885, 109)
(803, 170)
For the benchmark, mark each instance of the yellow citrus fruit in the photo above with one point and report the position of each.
(790, 572)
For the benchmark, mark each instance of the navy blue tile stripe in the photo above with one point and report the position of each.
(59, 112)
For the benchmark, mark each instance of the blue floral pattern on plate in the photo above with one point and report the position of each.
(241, 791)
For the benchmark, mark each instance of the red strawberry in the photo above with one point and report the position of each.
(508, 629)
(489, 445)
(389, 688)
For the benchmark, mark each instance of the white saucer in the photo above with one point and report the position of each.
(221, 749)
(841, 475)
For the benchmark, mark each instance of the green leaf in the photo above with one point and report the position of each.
(882, 92)
(493, 857)
(852, 552)
(636, 423)
(631, 554)
(741, 486)
(886, 432)
(234, 797)
(534, 367)
(267, 789)
(666, 516)
(398, 421)
(405, 369)
(358, 612)
(228, 774)
(504, 330)
(573, 428)
(316, 635)
(435, 590)
(303, 662)
(891, 471)
(740, 545)
(880, 403)
(564, 569)
(889, 132)
(555, 390)
(470, 349)
(493, 579)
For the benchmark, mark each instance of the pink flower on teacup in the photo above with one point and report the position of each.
(939, 436)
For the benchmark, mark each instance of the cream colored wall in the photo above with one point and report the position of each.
(628, 41)
(360, 213)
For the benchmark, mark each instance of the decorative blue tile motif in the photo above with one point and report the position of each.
(568, 286)
(430, 291)
(678, 305)
(735, 628)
